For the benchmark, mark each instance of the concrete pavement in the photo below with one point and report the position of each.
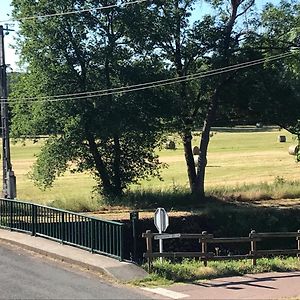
(25, 275)
(252, 286)
(121, 271)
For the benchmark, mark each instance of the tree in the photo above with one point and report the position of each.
(282, 31)
(112, 135)
(209, 43)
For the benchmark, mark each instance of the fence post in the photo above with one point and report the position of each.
(149, 248)
(121, 242)
(298, 239)
(253, 247)
(62, 228)
(10, 214)
(33, 219)
(204, 247)
(134, 218)
(92, 235)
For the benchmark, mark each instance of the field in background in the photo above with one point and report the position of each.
(235, 159)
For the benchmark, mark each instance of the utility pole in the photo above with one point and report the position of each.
(9, 179)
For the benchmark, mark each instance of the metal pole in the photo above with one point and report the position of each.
(9, 179)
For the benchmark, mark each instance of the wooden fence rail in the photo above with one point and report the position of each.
(205, 239)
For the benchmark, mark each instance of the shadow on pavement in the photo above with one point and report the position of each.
(247, 280)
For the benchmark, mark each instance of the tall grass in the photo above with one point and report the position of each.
(180, 197)
(190, 270)
(280, 188)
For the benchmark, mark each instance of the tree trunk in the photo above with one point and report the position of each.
(202, 159)
(189, 158)
(100, 167)
(116, 166)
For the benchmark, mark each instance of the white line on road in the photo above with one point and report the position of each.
(166, 293)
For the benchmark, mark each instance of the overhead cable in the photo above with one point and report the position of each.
(149, 85)
(74, 12)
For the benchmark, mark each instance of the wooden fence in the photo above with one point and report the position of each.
(205, 239)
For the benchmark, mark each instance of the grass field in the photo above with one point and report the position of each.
(235, 159)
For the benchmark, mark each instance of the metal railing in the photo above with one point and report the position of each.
(96, 235)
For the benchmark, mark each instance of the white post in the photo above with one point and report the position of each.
(160, 246)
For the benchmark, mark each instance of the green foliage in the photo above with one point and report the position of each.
(281, 25)
(113, 136)
(141, 198)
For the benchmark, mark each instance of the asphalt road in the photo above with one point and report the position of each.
(27, 276)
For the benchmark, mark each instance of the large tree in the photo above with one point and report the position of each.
(210, 42)
(112, 135)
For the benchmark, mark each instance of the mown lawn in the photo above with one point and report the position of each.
(234, 159)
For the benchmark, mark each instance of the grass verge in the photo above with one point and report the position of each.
(179, 198)
(168, 272)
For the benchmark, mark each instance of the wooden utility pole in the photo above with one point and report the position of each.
(9, 179)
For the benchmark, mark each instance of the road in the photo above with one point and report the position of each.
(29, 276)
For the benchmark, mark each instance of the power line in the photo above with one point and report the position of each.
(73, 12)
(152, 84)
(148, 85)
(175, 79)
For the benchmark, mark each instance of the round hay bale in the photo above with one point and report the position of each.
(196, 150)
(282, 138)
(293, 150)
(211, 134)
(170, 145)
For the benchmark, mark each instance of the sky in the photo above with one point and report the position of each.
(12, 58)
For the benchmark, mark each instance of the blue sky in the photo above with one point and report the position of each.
(12, 58)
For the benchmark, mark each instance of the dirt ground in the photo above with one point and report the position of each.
(124, 214)
(121, 213)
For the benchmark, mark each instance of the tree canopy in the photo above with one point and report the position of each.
(111, 134)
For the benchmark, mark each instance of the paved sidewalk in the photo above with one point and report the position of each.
(122, 271)
(253, 286)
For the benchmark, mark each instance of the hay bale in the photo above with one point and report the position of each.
(293, 150)
(170, 145)
(196, 150)
(282, 138)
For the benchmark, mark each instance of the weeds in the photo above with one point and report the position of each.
(193, 270)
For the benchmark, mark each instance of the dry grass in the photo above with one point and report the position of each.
(234, 159)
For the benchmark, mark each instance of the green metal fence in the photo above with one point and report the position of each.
(96, 235)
